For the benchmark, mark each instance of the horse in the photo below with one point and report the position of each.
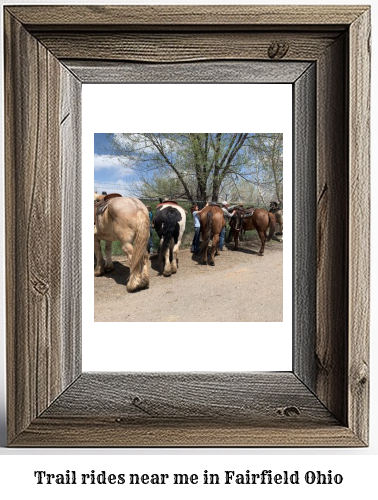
(169, 223)
(277, 210)
(253, 218)
(212, 222)
(123, 219)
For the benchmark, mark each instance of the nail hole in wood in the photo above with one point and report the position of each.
(288, 411)
(278, 50)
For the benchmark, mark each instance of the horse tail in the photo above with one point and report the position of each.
(207, 235)
(171, 228)
(142, 233)
(272, 226)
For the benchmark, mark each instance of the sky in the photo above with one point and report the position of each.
(109, 173)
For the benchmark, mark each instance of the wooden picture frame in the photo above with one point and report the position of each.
(49, 52)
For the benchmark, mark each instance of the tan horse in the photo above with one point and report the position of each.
(212, 222)
(253, 218)
(126, 220)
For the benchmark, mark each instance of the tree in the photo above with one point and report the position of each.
(199, 162)
(267, 164)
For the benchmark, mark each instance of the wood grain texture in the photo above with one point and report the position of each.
(331, 351)
(180, 47)
(359, 241)
(304, 223)
(184, 16)
(201, 72)
(324, 402)
(33, 198)
(245, 397)
(100, 432)
(33, 227)
(70, 164)
(186, 410)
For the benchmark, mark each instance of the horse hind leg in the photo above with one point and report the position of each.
(128, 251)
(214, 248)
(144, 279)
(262, 238)
(99, 269)
(174, 263)
(236, 239)
(166, 262)
(204, 249)
(139, 278)
(108, 254)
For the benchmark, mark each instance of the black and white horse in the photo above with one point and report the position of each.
(169, 223)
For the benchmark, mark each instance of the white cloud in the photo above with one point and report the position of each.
(125, 188)
(111, 162)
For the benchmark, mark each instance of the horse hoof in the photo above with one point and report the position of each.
(167, 273)
(204, 263)
(212, 264)
(98, 273)
(108, 269)
(260, 254)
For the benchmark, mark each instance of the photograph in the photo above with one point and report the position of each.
(192, 222)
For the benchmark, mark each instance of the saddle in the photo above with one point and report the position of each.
(248, 212)
(101, 205)
(241, 215)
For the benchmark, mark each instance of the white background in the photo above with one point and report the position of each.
(17, 466)
(186, 346)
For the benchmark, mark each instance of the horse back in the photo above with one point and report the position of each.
(169, 221)
(217, 219)
(120, 216)
(260, 220)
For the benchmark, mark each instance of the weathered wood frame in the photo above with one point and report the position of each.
(49, 52)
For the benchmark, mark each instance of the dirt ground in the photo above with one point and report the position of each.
(240, 287)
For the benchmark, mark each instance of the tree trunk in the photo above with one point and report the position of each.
(215, 194)
(201, 193)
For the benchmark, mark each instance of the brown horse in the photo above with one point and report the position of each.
(212, 222)
(126, 220)
(253, 218)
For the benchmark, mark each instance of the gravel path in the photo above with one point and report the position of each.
(240, 287)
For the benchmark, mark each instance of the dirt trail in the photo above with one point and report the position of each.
(240, 287)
